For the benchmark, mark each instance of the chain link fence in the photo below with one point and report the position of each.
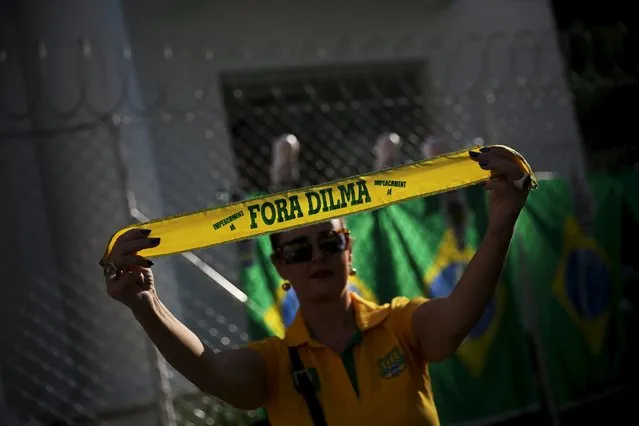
(90, 145)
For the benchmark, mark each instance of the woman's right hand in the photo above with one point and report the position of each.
(238, 376)
(133, 285)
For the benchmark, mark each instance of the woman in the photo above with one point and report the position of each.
(344, 360)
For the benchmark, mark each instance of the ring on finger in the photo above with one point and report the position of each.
(110, 270)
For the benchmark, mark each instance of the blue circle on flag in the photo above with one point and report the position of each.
(290, 304)
(587, 282)
(443, 285)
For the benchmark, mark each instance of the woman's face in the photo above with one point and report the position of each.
(315, 259)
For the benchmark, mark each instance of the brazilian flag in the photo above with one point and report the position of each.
(262, 284)
(574, 273)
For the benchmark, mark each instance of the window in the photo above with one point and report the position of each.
(337, 115)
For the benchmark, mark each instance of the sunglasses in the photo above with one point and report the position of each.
(301, 251)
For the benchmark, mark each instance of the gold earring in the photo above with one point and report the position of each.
(353, 271)
(286, 286)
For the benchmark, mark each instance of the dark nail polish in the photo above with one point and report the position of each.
(484, 149)
(150, 262)
(145, 231)
(155, 241)
(474, 154)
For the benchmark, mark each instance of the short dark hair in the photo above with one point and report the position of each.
(275, 236)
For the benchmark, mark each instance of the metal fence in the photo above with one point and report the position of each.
(89, 145)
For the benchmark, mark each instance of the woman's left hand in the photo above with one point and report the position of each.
(505, 199)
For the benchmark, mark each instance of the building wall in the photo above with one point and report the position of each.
(71, 351)
(464, 43)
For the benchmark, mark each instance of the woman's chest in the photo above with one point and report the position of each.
(376, 382)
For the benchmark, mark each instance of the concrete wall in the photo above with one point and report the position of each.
(474, 50)
(71, 351)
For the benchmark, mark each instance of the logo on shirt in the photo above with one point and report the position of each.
(392, 364)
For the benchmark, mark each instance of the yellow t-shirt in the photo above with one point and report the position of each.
(380, 379)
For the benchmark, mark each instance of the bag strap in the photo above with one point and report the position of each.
(304, 385)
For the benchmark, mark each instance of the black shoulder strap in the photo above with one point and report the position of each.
(304, 385)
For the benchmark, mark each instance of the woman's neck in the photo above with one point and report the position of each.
(331, 323)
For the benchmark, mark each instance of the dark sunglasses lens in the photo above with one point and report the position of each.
(333, 244)
(297, 253)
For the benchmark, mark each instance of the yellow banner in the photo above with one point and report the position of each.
(304, 206)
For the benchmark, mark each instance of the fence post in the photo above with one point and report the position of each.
(387, 150)
(285, 172)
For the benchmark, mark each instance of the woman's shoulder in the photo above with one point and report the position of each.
(402, 308)
(398, 303)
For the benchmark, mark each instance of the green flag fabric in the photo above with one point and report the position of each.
(574, 274)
